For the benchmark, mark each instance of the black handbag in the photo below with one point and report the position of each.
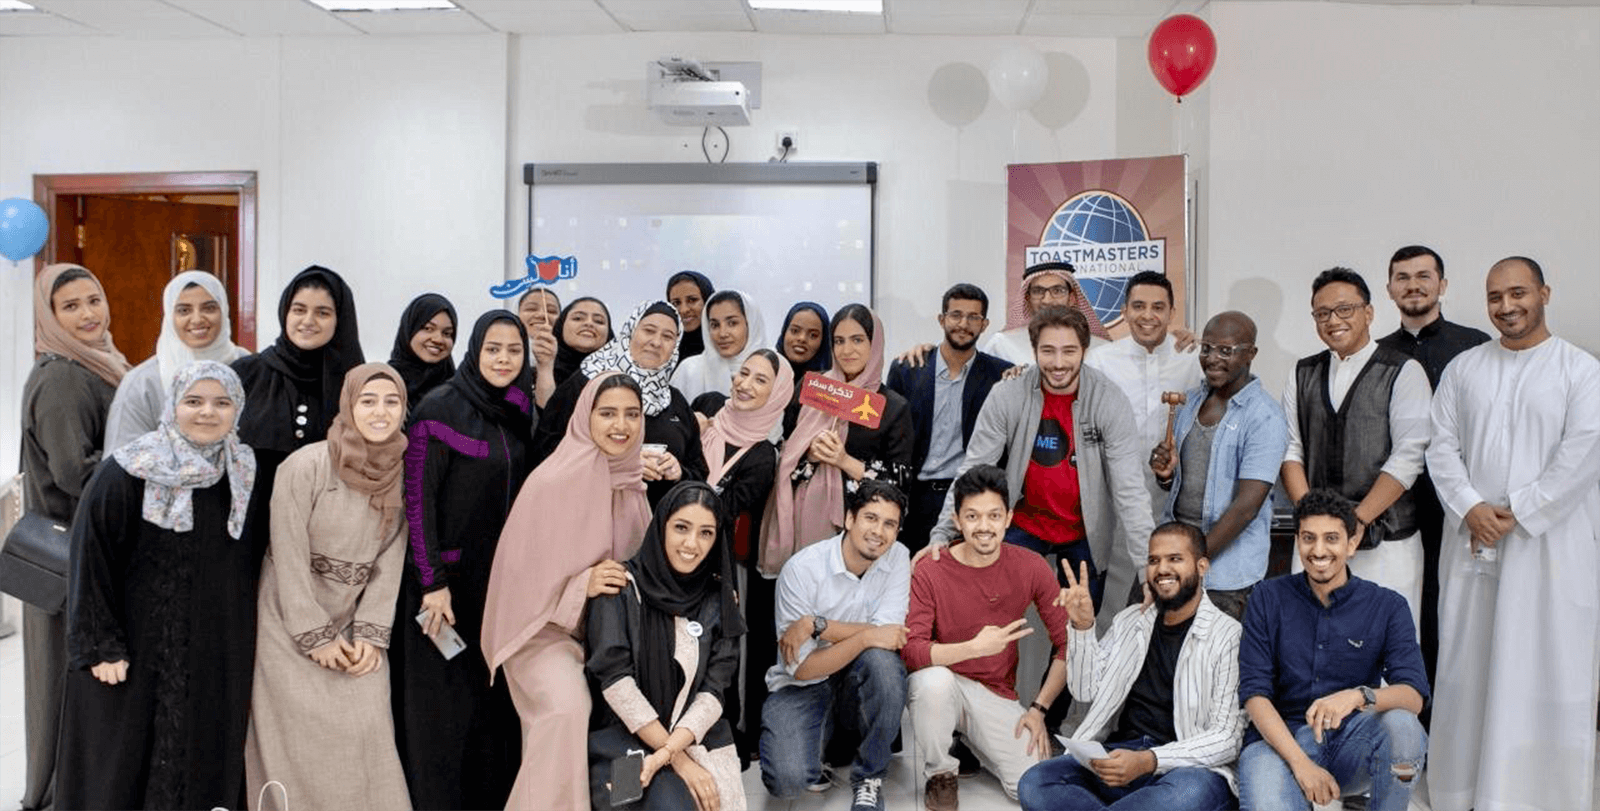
(34, 562)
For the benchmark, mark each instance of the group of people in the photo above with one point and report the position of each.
(299, 579)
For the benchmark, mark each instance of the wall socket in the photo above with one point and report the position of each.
(794, 141)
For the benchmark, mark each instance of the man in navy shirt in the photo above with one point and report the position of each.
(1316, 647)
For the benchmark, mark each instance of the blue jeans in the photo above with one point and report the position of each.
(1072, 553)
(866, 698)
(1381, 751)
(1062, 784)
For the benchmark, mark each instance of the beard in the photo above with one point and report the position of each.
(1416, 311)
(1187, 588)
(959, 346)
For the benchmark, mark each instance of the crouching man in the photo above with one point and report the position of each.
(1316, 646)
(1162, 689)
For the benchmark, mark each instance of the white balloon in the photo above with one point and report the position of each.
(1018, 77)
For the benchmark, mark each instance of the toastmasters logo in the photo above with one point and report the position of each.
(1105, 239)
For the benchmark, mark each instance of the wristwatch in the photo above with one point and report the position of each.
(818, 625)
(1369, 697)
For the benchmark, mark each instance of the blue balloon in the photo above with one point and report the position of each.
(23, 228)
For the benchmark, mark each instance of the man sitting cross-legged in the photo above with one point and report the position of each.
(1163, 689)
(961, 632)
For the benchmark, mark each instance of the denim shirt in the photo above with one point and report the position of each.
(1296, 650)
(1249, 444)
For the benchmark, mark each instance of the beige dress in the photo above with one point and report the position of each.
(326, 736)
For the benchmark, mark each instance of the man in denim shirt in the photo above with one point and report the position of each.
(1316, 646)
(1229, 441)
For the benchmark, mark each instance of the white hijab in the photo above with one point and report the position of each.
(172, 354)
(710, 371)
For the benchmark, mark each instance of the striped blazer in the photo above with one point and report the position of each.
(1205, 685)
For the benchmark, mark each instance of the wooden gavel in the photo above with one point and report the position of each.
(1173, 399)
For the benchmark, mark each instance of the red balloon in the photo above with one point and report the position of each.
(1181, 53)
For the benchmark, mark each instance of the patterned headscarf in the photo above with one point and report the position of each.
(656, 383)
(172, 467)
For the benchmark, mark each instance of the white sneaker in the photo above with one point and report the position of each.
(869, 795)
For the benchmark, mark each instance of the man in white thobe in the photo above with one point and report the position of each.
(1516, 458)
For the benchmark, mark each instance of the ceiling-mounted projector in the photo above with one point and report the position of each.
(713, 94)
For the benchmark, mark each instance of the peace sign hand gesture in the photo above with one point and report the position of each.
(1076, 597)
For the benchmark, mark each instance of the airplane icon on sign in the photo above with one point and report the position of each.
(865, 411)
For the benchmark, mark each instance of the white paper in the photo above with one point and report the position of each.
(1084, 751)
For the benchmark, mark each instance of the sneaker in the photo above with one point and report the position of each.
(824, 781)
(942, 793)
(869, 795)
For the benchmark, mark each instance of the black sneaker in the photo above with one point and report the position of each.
(868, 794)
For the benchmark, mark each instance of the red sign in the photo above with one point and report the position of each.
(849, 403)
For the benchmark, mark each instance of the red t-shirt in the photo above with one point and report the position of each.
(951, 602)
(1051, 508)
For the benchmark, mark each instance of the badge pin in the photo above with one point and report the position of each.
(695, 629)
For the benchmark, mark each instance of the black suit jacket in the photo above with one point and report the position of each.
(916, 385)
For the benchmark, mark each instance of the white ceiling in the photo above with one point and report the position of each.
(269, 18)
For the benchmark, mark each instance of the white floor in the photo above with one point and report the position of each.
(980, 793)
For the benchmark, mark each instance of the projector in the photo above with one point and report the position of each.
(701, 104)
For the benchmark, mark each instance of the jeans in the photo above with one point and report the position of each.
(1381, 751)
(866, 698)
(1062, 784)
(1072, 553)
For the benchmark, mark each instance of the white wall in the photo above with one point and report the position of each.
(941, 190)
(1341, 132)
(383, 158)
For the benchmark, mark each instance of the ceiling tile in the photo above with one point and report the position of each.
(132, 18)
(679, 15)
(813, 22)
(414, 22)
(39, 24)
(955, 16)
(266, 18)
(1104, 7)
(543, 16)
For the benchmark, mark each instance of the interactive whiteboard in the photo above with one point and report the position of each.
(781, 232)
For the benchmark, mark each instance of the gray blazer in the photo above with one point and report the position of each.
(1110, 459)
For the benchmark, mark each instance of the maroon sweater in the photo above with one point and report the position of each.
(951, 602)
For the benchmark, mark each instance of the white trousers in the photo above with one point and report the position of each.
(1395, 564)
(943, 703)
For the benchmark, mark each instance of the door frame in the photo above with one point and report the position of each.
(46, 188)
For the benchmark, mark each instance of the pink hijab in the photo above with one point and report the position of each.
(743, 429)
(577, 508)
(49, 337)
(797, 517)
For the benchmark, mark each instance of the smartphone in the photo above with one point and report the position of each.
(627, 779)
(447, 640)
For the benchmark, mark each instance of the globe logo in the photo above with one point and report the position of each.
(1096, 218)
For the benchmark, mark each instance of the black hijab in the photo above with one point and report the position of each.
(510, 407)
(692, 343)
(568, 358)
(420, 376)
(820, 362)
(312, 373)
(665, 594)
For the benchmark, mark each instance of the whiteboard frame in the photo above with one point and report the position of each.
(773, 173)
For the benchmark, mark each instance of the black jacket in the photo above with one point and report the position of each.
(916, 385)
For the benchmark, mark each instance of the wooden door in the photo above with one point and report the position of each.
(137, 245)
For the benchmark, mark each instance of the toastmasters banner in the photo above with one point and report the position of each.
(1110, 219)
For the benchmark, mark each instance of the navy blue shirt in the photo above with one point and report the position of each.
(1295, 650)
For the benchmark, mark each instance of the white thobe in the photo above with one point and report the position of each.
(1144, 375)
(1519, 641)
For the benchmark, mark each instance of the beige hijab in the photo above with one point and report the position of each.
(50, 338)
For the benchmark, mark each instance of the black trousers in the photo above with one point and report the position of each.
(926, 499)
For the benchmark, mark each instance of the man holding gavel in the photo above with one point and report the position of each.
(1220, 459)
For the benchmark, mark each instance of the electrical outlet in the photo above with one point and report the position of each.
(794, 140)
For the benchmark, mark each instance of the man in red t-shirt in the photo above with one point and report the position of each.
(965, 618)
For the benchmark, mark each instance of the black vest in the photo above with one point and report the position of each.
(1344, 450)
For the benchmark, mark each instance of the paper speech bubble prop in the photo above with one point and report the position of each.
(541, 270)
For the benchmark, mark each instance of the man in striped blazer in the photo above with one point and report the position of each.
(1162, 688)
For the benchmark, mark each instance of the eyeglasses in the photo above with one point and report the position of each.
(956, 317)
(1053, 291)
(1223, 351)
(1344, 311)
